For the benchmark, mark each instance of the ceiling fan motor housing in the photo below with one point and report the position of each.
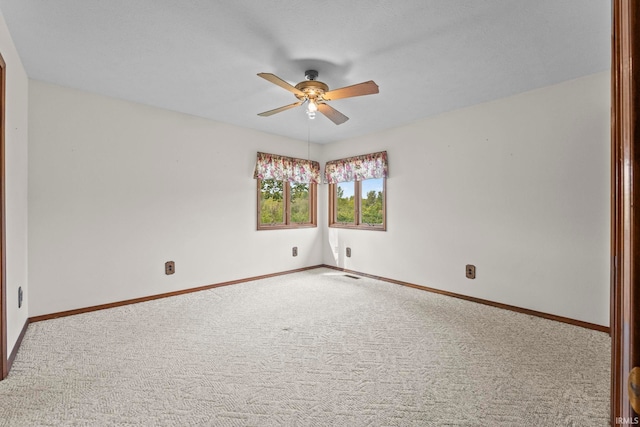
(312, 88)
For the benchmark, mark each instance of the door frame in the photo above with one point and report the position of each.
(625, 224)
(4, 362)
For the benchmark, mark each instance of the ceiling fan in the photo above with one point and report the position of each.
(315, 94)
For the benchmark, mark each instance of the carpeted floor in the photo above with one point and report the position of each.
(314, 348)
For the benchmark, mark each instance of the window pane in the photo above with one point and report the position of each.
(271, 202)
(372, 209)
(300, 203)
(345, 203)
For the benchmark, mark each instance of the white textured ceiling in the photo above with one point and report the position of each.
(201, 57)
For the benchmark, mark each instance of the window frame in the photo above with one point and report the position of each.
(356, 225)
(287, 224)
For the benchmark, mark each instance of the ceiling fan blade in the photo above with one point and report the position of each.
(278, 110)
(278, 81)
(365, 88)
(332, 114)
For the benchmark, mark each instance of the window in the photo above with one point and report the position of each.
(357, 191)
(358, 204)
(286, 205)
(287, 192)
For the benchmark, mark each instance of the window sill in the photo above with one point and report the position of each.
(359, 227)
(285, 227)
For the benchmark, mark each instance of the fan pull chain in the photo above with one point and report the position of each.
(308, 140)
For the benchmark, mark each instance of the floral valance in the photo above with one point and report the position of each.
(282, 168)
(357, 168)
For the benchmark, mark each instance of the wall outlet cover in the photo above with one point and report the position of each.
(169, 267)
(470, 271)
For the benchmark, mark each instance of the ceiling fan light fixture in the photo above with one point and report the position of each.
(316, 94)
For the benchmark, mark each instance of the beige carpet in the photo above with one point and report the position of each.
(308, 349)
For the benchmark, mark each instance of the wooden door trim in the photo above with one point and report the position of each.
(625, 238)
(4, 363)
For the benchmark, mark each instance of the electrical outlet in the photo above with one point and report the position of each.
(169, 267)
(19, 296)
(294, 251)
(348, 252)
(470, 271)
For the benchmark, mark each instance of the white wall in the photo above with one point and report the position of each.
(116, 189)
(518, 187)
(15, 185)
